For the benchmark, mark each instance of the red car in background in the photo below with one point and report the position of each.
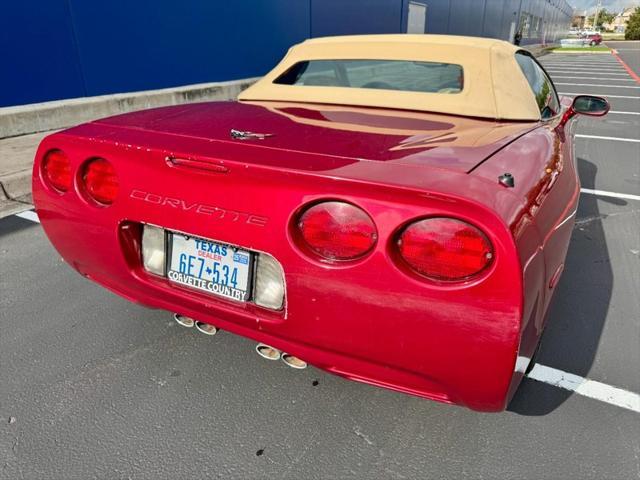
(394, 209)
(593, 38)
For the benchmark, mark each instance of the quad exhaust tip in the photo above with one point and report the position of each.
(293, 362)
(270, 353)
(187, 322)
(206, 328)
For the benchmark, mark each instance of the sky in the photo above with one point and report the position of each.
(610, 5)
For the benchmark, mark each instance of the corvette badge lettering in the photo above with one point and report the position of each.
(201, 208)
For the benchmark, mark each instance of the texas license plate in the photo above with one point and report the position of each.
(209, 266)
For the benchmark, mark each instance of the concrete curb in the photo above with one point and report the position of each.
(41, 117)
(17, 184)
(539, 50)
(9, 207)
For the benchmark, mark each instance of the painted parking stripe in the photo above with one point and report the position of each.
(596, 85)
(606, 95)
(585, 387)
(582, 60)
(629, 70)
(583, 64)
(564, 70)
(615, 65)
(607, 61)
(612, 66)
(571, 61)
(603, 193)
(596, 78)
(622, 113)
(611, 63)
(614, 139)
(578, 68)
(29, 215)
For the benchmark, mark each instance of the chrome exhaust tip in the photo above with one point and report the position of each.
(183, 320)
(206, 328)
(293, 362)
(270, 353)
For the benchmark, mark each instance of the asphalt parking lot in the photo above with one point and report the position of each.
(92, 386)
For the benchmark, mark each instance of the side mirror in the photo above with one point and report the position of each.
(590, 105)
(586, 105)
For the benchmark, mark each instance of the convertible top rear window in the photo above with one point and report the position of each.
(410, 76)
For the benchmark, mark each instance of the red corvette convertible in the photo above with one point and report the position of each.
(394, 209)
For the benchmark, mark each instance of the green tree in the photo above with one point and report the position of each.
(632, 32)
(603, 17)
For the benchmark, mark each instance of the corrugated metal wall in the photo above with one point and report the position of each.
(54, 49)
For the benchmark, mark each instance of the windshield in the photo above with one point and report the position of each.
(428, 77)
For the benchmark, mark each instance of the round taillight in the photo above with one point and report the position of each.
(445, 249)
(100, 181)
(337, 230)
(56, 169)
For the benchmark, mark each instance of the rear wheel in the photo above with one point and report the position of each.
(593, 43)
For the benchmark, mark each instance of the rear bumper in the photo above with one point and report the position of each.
(370, 321)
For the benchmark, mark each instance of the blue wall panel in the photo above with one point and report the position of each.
(466, 17)
(495, 19)
(344, 17)
(54, 49)
(37, 48)
(150, 44)
(438, 16)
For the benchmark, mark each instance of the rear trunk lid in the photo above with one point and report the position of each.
(331, 133)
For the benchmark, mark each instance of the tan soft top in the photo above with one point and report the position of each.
(494, 85)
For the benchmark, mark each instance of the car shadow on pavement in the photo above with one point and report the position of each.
(579, 308)
(12, 224)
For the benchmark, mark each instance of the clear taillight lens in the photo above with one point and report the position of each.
(56, 169)
(153, 249)
(337, 230)
(269, 287)
(445, 249)
(100, 181)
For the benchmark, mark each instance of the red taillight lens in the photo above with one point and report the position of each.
(445, 249)
(100, 181)
(56, 169)
(337, 230)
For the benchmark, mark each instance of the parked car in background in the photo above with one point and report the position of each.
(593, 38)
(394, 209)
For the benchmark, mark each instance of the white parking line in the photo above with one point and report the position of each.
(29, 215)
(596, 85)
(603, 193)
(614, 68)
(595, 78)
(615, 139)
(586, 65)
(579, 64)
(555, 61)
(622, 113)
(600, 95)
(610, 71)
(553, 71)
(588, 388)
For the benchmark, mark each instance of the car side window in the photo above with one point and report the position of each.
(545, 94)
